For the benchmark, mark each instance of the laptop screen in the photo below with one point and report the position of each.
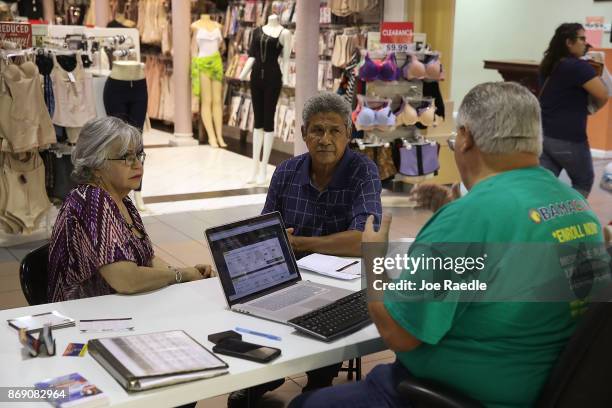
(252, 256)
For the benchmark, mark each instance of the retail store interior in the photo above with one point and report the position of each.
(209, 156)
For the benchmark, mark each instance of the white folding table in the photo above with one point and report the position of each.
(199, 309)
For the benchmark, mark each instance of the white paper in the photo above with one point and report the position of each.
(334, 266)
(106, 325)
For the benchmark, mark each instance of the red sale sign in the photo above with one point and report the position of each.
(396, 33)
(18, 33)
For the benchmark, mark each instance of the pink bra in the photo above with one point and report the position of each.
(407, 115)
(415, 69)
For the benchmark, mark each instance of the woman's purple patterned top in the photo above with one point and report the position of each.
(90, 232)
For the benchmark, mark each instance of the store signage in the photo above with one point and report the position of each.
(18, 33)
(397, 36)
(594, 29)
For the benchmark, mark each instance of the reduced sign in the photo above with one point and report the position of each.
(397, 35)
(18, 33)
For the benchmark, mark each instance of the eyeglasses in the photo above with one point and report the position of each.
(451, 141)
(130, 159)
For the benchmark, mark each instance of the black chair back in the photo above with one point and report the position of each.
(581, 376)
(33, 275)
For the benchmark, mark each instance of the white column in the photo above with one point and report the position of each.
(181, 40)
(306, 62)
(102, 12)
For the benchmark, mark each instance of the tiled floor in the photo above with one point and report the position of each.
(177, 229)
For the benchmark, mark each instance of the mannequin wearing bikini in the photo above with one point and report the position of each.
(207, 76)
(125, 97)
(268, 43)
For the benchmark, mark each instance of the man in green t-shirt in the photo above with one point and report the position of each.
(497, 352)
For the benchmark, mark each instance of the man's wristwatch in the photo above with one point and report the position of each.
(178, 275)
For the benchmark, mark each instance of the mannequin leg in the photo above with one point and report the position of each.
(258, 136)
(267, 148)
(217, 111)
(206, 109)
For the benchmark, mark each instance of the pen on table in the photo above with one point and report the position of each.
(256, 333)
(346, 266)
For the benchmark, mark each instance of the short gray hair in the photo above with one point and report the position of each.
(503, 118)
(326, 102)
(96, 140)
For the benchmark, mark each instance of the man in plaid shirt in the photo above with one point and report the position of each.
(326, 195)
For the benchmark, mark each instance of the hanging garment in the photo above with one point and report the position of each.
(424, 114)
(27, 198)
(73, 90)
(45, 66)
(367, 118)
(386, 70)
(420, 159)
(26, 124)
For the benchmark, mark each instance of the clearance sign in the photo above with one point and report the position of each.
(397, 35)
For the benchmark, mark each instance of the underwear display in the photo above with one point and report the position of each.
(367, 118)
(430, 69)
(413, 68)
(73, 92)
(26, 199)
(386, 70)
(419, 159)
(211, 66)
(22, 129)
(407, 115)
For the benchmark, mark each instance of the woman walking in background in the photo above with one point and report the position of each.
(568, 83)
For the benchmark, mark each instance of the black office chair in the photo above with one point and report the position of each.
(580, 378)
(33, 275)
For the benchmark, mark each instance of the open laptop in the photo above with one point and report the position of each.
(258, 272)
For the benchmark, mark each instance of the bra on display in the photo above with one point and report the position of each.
(386, 70)
(367, 118)
(415, 69)
(424, 113)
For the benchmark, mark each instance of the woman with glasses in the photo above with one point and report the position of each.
(99, 245)
(568, 85)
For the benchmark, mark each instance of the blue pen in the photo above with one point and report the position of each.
(256, 333)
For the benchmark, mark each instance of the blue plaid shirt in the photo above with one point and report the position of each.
(351, 196)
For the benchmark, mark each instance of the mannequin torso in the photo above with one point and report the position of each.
(273, 28)
(205, 23)
(128, 71)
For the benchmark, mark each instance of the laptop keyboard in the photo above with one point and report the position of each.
(338, 319)
(291, 296)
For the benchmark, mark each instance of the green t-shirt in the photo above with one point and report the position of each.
(497, 352)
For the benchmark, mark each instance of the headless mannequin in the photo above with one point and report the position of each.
(211, 92)
(131, 71)
(260, 137)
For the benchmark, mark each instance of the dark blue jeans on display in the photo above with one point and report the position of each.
(377, 390)
(574, 157)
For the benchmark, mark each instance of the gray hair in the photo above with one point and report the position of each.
(326, 102)
(503, 118)
(99, 138)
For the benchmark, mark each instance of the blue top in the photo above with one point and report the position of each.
(564, 101)
(351, 196)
